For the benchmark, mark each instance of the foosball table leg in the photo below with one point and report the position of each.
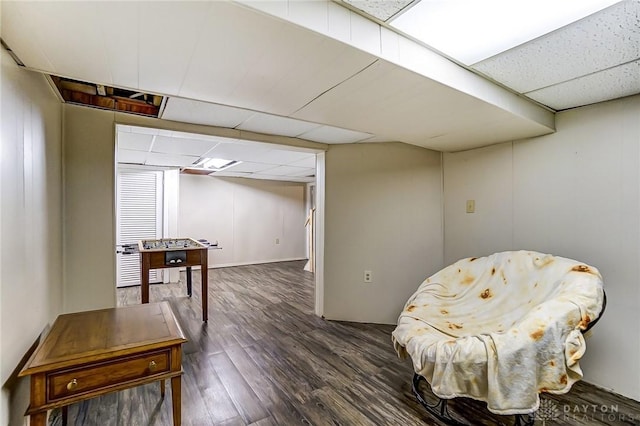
(188, 281)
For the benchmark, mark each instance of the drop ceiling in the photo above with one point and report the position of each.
(309, 70)
(561, 55)
(165, 149)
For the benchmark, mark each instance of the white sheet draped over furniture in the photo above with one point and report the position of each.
(501, 328)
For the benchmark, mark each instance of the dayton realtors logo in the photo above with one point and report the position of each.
(582, 413)
(548, 410)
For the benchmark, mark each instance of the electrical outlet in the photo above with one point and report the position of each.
(368, 276)
(277, 240)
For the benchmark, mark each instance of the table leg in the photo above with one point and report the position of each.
(188, 281)
(38, 419)
(65, 415)
(162, 388)
(204, 268)
(176, 400)
(144, 277)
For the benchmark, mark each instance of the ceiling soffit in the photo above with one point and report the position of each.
(230, 54)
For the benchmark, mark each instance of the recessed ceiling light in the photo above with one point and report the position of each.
(215, 164)
(470, 30)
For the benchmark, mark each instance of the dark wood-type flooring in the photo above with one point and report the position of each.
(265, 359)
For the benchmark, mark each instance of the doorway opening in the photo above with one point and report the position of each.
(251, 198)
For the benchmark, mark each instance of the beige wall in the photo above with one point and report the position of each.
(89, 197)
(245, 216)
(31, 224)
(383, 212)
(576, 194)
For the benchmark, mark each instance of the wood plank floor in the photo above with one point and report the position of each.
(265, 359)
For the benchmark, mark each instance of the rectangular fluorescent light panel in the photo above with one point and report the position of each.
(470, 31)
(215, 164)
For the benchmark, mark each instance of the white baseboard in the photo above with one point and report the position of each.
(254, 262)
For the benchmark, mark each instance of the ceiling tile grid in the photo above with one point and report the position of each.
(199, 112)
(173, 145)
(158, 148)
(134, 141)
(128, 156)
(248, 167)
(381, 9)
(170, 160)
(598, 42)
(617, 82)
(276, 125)
(334, 135)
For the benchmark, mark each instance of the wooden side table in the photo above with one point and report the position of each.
(87, 354)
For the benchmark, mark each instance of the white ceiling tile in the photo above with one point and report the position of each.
(145, 130)
(304, 79)
(309, 162)
(279, 156)
(209, 114)
(22, 19)
(156, 159)
(331, 135)
(617, 82)
(56, 26)
(174, 145)
(248, 167)
(301, 172)
(276, 125)
(123, 128)
(167, 33)
(280, 81)
(377, 139)
(233, 40)
(603, 40)
(284, 171)
(131, 157)
(121, 45)
(226, 173)
(239, 152)
(282, 178)
(279, 8)
(134, 141)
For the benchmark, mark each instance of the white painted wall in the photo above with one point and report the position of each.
(245, 216)
(383, 212)
(89, 206)
(576, 194)
(31, 223)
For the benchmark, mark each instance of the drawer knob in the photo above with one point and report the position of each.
(153, 366)
(72, 385)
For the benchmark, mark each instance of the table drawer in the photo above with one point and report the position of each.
(66, 383)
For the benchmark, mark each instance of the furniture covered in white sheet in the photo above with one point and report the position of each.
(501, 328)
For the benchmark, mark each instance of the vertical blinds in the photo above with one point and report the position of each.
(139, 218)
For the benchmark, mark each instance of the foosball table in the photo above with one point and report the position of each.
(173, 253)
